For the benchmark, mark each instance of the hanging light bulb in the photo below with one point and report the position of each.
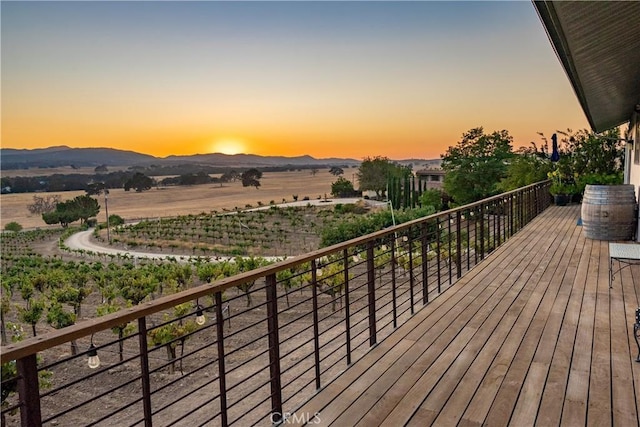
(94, 359)
(200, 319)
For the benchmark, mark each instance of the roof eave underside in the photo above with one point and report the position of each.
(598, 44)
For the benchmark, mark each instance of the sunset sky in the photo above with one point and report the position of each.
(328, 79)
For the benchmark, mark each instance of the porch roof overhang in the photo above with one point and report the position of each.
(598, 44)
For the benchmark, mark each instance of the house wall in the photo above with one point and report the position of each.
(632, 163)
(431, 180)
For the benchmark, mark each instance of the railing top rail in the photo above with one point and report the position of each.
(85, 328)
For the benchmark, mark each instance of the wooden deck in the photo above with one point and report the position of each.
(530, 336)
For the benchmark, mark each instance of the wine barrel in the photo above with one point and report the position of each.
(609, 212)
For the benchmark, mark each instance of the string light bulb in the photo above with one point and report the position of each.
(94, 359)
(200, 319)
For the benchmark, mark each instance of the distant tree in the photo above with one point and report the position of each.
(86, 206)
(336, 171)
(80, 208)
(251, 178)
(101, 168)
(314, 171)
(475, 166)
(230, 176)
(526, 167)
(342, 188)
(64, 214)
(374, 174)
(139, 182)
(197, 178)
(43, 204)
(95, 188)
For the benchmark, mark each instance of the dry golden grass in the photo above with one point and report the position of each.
(172, 201)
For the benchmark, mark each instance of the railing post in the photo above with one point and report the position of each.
(316, 327)
(449, 257)
(476, 246)
(347, 311)
(458, 244)
(467, 220)
(274, 349)
(529, 205)
(437, 257)
(510, 216)
(519, 206)
(411, 279)
(29, 391)
(496, 232)
(481, 232)
(393, 283)
(371, 285)
(424, 240)
(222, 372)
(144, 368)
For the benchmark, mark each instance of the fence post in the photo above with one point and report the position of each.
(29, 391)
(274, 349)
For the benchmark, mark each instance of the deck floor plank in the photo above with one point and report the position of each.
(405, 409)
(488, 396)
(624, 351)
(599, 407)
(448, 386)
(533, 386)
(451, 304)
(530, 336)
(577, 393)
(550, 410)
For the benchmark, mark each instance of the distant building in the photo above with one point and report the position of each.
(433, 178)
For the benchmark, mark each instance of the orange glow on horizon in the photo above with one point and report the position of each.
(228, 146)
(352, 146)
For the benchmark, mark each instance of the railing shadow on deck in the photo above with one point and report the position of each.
(271, 337)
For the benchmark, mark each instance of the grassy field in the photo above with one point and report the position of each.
(172, 201)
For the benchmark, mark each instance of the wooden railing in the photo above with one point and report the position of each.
(308, 319)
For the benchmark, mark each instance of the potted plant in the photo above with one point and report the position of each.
(562, 188)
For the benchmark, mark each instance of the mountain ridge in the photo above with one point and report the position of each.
(62, 155)
(13, 158)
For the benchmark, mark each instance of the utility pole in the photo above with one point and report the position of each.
(106, 210)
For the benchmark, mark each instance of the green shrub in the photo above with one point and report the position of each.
(115, 220)
(13, 226)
